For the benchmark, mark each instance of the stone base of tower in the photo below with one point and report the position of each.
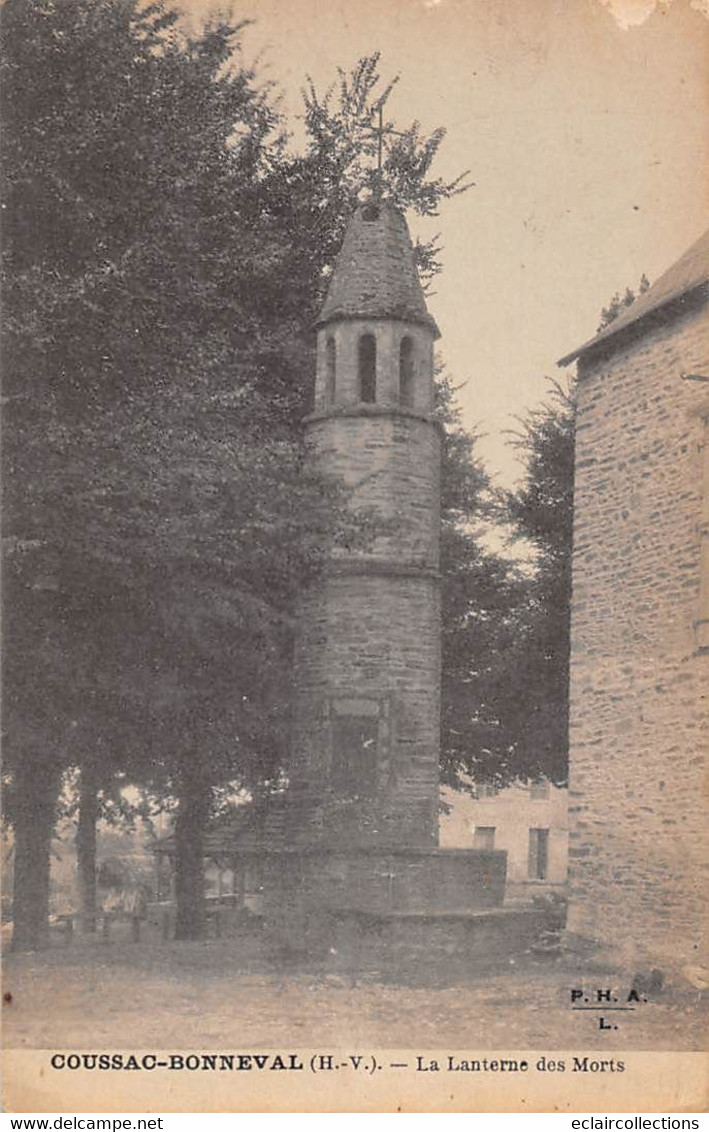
(391, 880)
(311, 896)
(412, 916)
(367, 680)
(431, 950)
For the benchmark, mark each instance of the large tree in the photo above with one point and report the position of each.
(164, 256)
(156, 490)
(541, 514)
(483, 595)
(535, 669)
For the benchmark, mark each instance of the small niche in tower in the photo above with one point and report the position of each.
(367, 371)
(330, 370)
(355, 748)
(406, 373)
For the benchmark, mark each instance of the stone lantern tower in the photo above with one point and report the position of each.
(347, 858)
(365, 761)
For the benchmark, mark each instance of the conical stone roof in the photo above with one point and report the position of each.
(374, 274)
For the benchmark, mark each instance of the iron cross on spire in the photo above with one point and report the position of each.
(380, 131)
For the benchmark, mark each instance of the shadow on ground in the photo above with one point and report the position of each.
(242, 993)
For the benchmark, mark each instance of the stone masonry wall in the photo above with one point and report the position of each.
(638, 744)
(375, 637)
(369, 634)
(391, 462)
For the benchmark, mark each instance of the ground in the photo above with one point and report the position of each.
(236, 994)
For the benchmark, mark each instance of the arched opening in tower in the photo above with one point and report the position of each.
(368, 368)
(330, 370)
(406, 373)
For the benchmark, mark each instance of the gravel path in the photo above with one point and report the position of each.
(234, 995)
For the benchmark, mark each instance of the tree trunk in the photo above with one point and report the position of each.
(33, 827)
(86, 847)
(192, 814)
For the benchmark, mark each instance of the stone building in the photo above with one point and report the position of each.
(367, 671)
(360, 816)
(640, 624)
(354, 836)
(345, 861)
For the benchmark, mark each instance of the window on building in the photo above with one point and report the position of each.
(330, 369)
(406, 373)
(538, 854)
(539, 790)
(355, 749)
(484, 837)
(368, 368)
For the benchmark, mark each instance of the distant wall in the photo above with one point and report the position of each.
(638, 849)
(512, 813)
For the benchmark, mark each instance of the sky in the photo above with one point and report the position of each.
(585, 126)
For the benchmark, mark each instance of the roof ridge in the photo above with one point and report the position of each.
(686, 274)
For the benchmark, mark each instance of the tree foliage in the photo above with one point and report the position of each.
(160, 514)
(541, 514)
(618, 304)
(482, 591)
(165, 253)
(342, 150)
